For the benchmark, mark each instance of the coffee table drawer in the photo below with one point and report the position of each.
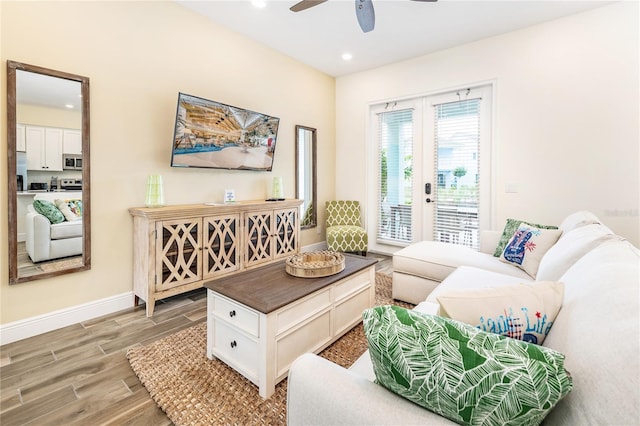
(349, 311)
(236, 349)
(306, 338)
(351, 285)
(236, 314)
(293, 315)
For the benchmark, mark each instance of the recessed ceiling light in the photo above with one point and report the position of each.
(259, 3)
(347, 56)
(69, 106)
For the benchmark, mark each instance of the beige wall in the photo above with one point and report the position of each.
(138, 56)
(566, 115)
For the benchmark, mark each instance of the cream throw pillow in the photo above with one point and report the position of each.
(527, 246)
(522, 311)
(68, 210)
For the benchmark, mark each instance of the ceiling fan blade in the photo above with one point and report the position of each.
(305, 4)
(365, 14)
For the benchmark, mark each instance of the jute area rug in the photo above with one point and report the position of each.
(194, 390)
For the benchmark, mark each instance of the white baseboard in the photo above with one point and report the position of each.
(18, 330)
(33, 326)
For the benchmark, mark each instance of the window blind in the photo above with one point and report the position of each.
(395, 167)
(457, 164)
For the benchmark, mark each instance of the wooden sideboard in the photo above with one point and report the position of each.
(177, 248)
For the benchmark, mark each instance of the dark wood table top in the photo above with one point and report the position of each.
(270, 287)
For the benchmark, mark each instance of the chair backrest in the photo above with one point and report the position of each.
(342, 212)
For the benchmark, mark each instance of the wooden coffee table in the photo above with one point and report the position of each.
(259, 321)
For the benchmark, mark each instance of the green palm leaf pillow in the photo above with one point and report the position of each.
(463, 373)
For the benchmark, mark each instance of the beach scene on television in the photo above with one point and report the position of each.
(209, 134)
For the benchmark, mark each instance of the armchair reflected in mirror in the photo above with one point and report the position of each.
(306, 175)
(48, 172)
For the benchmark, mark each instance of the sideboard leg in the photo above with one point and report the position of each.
(150, 306)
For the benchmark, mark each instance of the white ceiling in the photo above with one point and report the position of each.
(404, 29)
(45, 90)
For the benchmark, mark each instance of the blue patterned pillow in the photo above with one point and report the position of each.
(509, 229)
(462, 373)
(527, 247)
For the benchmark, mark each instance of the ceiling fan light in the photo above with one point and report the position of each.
(259, 3)
(347, 56)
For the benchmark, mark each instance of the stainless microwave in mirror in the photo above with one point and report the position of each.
(72, 162)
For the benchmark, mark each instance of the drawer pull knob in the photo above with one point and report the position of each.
(232, 313)
(233, 344)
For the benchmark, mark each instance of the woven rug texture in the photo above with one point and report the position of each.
(193, 390)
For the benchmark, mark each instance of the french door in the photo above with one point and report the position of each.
(432, 164)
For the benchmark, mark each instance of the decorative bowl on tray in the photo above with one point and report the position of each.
(314, 264)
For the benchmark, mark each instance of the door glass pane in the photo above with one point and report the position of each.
(457, 156)
(395, 130)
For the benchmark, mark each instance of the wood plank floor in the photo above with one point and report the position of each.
(79, 375)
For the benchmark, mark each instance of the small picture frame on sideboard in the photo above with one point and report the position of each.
(229, 196)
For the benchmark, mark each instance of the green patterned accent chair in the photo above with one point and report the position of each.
(344, 227)
(307, 218)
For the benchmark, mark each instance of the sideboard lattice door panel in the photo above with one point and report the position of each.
(286, 235)
(222, 245)
(259, 227)
(178, 253)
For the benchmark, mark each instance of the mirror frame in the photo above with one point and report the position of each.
(12, 68)
(314, 174)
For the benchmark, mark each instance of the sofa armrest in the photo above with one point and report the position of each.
(38, 232)
(320, 392)
(489, 241)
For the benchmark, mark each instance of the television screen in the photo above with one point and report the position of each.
(210, 134)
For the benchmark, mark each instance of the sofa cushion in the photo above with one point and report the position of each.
(48, 210)
(461, 372)
(63, 230)
(527, 246)
(510, 228)
(571, 246)
(597, 329)
(523, 311)
(578, 219)
(435, 260)
(469, 277)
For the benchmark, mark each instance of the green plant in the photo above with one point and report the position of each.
(383, 173)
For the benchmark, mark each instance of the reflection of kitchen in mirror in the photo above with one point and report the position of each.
(49, 170)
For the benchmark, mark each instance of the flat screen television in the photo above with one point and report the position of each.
(211, 134)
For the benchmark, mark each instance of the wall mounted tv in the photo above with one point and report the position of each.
(210, 134)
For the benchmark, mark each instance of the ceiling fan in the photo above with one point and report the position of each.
(364, 11)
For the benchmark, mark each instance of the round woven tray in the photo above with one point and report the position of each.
(315, 264)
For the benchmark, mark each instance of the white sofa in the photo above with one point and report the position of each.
(47, 241)
(597, 329)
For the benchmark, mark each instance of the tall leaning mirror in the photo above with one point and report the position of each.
(48, 172)
(306, 175)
